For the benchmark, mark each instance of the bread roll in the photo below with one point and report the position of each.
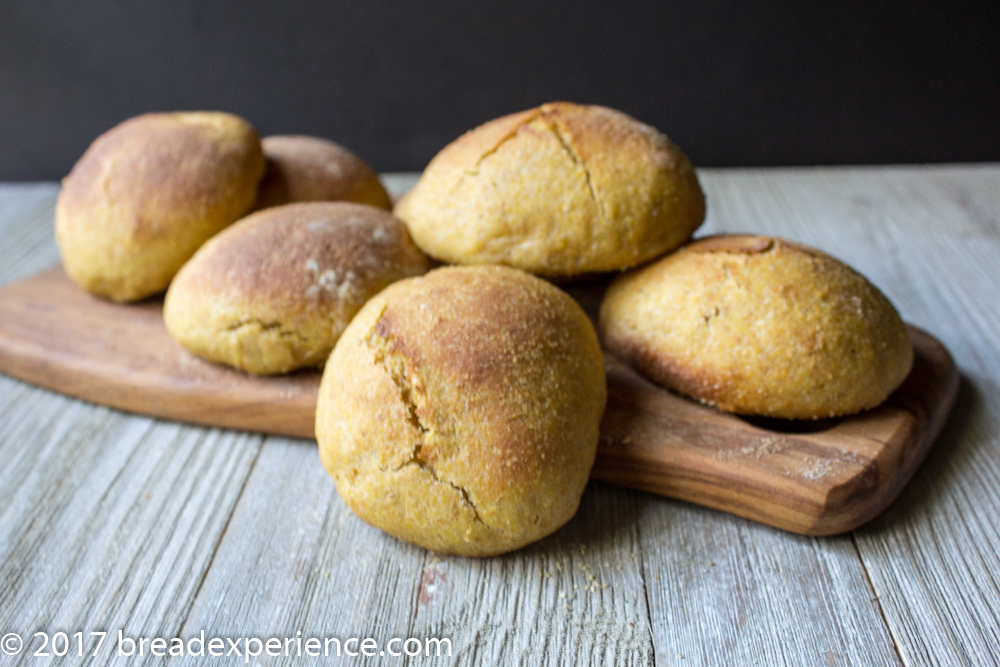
(460, 410)
(759, 326)
(148, 193)
(274, 291)
(560, 190)
(304, 169)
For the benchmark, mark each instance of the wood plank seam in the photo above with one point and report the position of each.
(877, 599)
(415, 601)
(222, 533)
(645, 589)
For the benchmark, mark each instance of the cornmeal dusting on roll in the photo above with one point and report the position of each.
(148, 193)
(757, 325)
(305, 169)
(560, 190)
(273, 292)
(460, 410)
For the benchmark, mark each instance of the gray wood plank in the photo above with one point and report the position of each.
(295, 559)
(724, 591)
(27, 238)
(17, 200)
(930, 238)
(575, 598)
(109, 521)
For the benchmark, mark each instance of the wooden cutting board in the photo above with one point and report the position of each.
(814, 478)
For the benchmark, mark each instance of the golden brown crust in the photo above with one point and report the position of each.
(460, 410)
(305, 169)
(757, 325)
(273, 292)
(148, 193)
(560, 190)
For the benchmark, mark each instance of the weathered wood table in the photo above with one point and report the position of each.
(114, 522)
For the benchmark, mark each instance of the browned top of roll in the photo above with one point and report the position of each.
(148, 193)
(460, 410)
(559, 190)
(158, 162)
(303, 169)
(759, 325)
(274, 291)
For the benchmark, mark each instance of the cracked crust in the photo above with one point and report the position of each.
(148, 193)
(559, 191)
(306, 169)
(758, 325)
(273, 292)
(460, 411)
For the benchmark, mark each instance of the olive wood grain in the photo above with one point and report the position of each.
(814, 478)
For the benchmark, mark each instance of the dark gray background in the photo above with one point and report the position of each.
(733, 82)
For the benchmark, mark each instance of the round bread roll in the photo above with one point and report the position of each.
(303, 169)
(460, 410)
(274, 292)
(560, 190)
(148, 193)
(759, 326)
